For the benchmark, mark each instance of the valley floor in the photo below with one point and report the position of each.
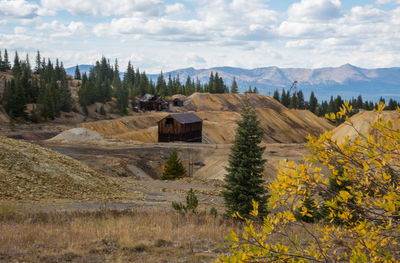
(142, 228)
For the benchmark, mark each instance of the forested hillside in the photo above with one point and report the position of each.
(46, 89)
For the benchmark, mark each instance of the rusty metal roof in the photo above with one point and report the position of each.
(185, 117)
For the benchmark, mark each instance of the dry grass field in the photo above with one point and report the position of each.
(109, 236)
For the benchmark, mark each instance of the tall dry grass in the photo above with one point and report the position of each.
(132, 235)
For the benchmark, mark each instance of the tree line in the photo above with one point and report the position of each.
(46, 86)
(296, 101)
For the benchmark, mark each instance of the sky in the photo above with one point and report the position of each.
(165, 35)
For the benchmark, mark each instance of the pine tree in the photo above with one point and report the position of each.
(77, 73)
(313, 103)
(161, 86)
(276, 95)
(173, 168)
(38, 63)
(300, 100)
(234, 87)
(16, 69)
(243, 182)
(65, 97)
(7, 64)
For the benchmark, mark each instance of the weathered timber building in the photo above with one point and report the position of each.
(185, 127)
(152, 102)
(177, 102)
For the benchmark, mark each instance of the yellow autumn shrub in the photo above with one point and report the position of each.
(370, 166)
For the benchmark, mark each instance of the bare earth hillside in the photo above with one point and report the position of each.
(30, 172)
(219, 113)
(361, 122)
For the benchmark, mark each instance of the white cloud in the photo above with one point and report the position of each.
(57, 29)
(382, 2)
(20, 30)
(175, 8)
(216, 20)
(106, 8)
(192, 59)
(315, 10)
(18, 9)
(369, 14)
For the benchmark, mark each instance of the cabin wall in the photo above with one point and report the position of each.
(179, 132)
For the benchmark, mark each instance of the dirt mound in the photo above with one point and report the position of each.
(77, 134)
(229, 102)
(219, 113)
(362, 122)
(30, 172)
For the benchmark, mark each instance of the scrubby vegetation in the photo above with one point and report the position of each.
(191, 204)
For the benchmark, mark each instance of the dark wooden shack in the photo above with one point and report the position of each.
(177, 102)
(185, 127)
(152, 102)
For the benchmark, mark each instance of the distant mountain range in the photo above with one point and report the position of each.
(347, 80)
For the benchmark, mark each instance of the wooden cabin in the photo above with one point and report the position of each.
(177, 102)
(152, 102)
(185, 127)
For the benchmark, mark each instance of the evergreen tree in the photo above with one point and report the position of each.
(16, 69)
(243, 182)
(234, 87)
(77, 73)
(276, 95)
(161, 86)
(65, 96)
(293, 101)
(9, 97)
(313, 103)
(121, 92)
(1, 63)
(285, 98)
(300, 101)
(173, 168)
(359, 103)
(38, 63)
(199, 88)
(7, 64)
(211, 83)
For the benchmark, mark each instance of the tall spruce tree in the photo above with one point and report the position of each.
(243, 182)
(313, 103)
(7, 64)
(77, 73)
(234, 87)
(277, 96)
